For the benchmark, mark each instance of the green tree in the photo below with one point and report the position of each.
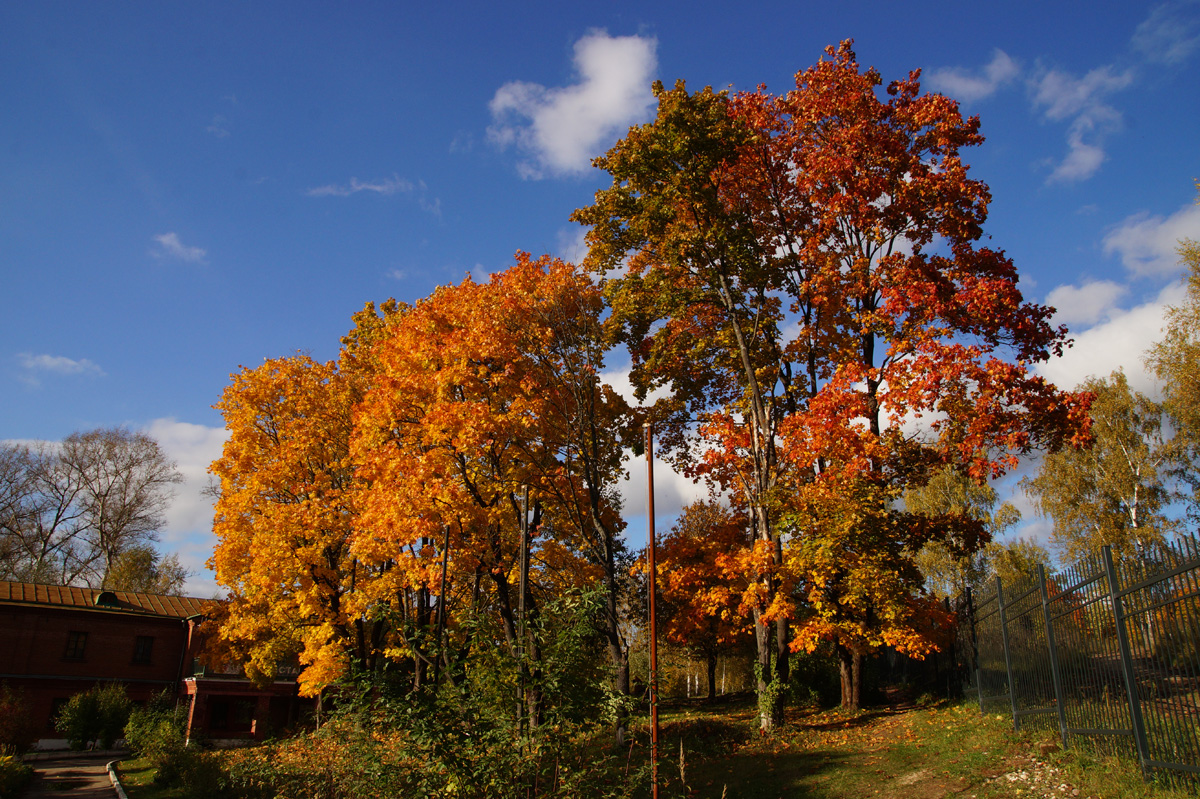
(1113, 491)
(700, 312)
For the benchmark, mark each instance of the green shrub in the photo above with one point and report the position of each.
(156, 732)
(14, 775)
(18, 732)
(98, 714)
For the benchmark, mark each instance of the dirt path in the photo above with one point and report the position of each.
(80, 777)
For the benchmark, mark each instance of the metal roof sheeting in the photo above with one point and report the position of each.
(178, 607)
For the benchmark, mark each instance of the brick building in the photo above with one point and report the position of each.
(56, 641)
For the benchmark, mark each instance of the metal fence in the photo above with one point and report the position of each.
(1106, 651)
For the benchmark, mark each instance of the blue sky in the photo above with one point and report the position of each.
(186, 188)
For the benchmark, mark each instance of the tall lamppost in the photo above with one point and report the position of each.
(653, 618)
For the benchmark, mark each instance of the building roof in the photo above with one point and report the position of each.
(179, 607)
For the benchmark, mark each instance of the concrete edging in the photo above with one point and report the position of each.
(61, 754)
(116, 781)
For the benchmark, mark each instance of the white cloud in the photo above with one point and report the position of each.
(1082, 159)
(1120, 342)
(568, 126)
(433, 207)
(1170, 34)
(1086, 304)
(672, 493)
(169, 246)
(58, 364)
(188, 530)
(969, 85)
(1147, 244)
(219, 127)
(572, 245)
(386, 187)
(1061, 96)
(1064, 96)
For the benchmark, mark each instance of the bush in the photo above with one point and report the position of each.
(14, 775)
(18, 732)
(98, 714)
(156, 733)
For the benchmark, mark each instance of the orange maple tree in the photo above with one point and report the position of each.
(284, 520)
(286, 516)
(803, 272)
(702, 582)
(487, 421)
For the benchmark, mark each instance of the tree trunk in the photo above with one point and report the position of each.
(766, 710)
(712, 676)
(849, 667)
(783, 649)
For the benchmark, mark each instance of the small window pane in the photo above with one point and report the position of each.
(142, 648)
(76, 644)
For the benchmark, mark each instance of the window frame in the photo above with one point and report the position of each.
(143, 649)
(76, 648)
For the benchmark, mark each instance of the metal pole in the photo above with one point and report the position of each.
(1050, 644)
(975, 648)
(522, 589)
(1012, 688)
(1135, 706)
(441, 625)
(653, 617)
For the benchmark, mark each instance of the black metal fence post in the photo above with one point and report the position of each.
(975, 648)
(1113, 626)
(1012, 687)
(1055, 677)
(1135, 706)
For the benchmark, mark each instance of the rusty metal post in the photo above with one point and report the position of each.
(653, 617)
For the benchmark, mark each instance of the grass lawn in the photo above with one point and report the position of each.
(946, 750)
(137, 777)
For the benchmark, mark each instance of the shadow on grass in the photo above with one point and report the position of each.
(860, 719)
(749, 775)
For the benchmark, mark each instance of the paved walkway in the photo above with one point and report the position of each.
(79, 776)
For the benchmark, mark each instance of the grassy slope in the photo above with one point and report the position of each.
(941, 751)
(928, 753)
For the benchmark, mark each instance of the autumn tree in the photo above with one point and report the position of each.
(1014, 561)
(1113, 491)
(702, 582)
(142, 569)
(699, 308)
(802, 272)
(949, 494)
(488, 425)
(853, 557)
(69, 509)
(284, 520)
(1176, 362)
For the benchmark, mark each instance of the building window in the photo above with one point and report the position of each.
(76, 642)
(142, 648)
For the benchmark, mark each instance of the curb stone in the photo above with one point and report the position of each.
(116, 781)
